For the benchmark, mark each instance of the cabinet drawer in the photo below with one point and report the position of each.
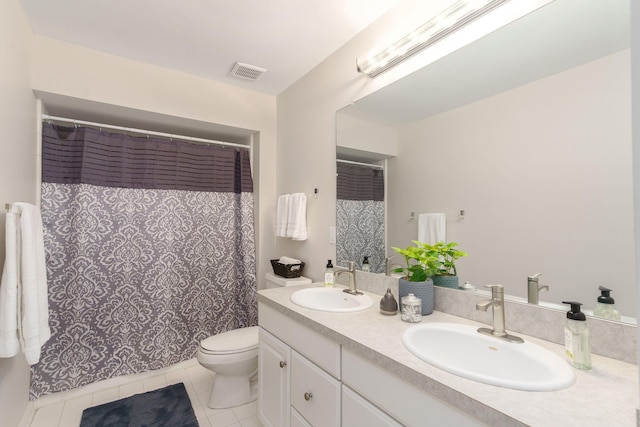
(297, 420)
(314, 393)
(357, 412)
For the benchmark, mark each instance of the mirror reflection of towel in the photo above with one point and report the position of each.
(432, 228)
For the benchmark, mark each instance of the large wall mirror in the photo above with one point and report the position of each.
(528, 131)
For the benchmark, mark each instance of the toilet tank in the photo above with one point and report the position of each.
(274, 281)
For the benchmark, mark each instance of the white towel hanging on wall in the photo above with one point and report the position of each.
(9, 290)
(291, 216)
(24, 304)
(432, 228)
(297, 218)
(282, 215)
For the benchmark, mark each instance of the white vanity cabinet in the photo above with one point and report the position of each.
(307, 387)
(397, 398)
(321, 384)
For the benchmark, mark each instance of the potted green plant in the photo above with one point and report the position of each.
(447, 254)
(421, 264)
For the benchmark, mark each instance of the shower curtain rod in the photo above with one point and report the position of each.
(143, 131)
(360, 164)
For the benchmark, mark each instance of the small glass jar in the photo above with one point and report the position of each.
(411, 309)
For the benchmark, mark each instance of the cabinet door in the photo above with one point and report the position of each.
(273, 380)
(357, 412)
(314, 393)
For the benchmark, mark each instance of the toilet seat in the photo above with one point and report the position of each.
(231, 342)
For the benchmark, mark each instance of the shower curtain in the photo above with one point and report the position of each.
(360, 216)
(150, 249)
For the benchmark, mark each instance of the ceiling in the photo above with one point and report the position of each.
(207, 37)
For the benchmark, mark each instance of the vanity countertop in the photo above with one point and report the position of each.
(607, 395)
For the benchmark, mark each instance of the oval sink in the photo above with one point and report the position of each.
(461, 350)
(330, 299)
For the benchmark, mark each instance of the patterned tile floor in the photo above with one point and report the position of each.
(65, 409)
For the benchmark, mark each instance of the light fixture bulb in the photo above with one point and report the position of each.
(448, 21)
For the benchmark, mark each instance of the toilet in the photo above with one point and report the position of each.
(233, 357)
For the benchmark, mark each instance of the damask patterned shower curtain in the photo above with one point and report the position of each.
(360, 216)
(150, 249)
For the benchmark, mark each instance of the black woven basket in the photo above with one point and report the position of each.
(288, 271)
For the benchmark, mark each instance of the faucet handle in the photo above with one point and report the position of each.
(534, 276)
(497, 291)
(351, 265)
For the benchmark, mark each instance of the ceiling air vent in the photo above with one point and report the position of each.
(246, 71)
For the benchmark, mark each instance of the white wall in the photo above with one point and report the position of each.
(65, 71)
(544, 175)
(307, 126)
(365, 141)
(17, 170)
(635, 105)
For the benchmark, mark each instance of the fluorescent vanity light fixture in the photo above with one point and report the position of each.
(447, 22)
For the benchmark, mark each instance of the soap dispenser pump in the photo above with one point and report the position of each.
(605, 308)
(576, 337)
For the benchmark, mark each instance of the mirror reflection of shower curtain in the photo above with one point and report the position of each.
(360, 215)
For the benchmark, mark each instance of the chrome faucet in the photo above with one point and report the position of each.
(497, 302)
(353, 289)
(388, 266)
(534, 288)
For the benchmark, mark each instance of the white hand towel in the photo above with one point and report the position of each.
(35, 301)
(297, 221)
(282, 215)
(432, 228)
(9, 292)
(288, 261)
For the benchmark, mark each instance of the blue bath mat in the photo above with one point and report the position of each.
(168, 406)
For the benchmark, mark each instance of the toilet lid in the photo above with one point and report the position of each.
(234, 341)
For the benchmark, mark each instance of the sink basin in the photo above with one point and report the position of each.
(330, 299)
(461, 350)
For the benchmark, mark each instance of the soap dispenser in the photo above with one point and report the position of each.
(388, 304)
(605, 308)
(576, 337)
(328, 275)
(365, 263)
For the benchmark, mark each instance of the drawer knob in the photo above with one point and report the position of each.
(308, 396)
(283, 363)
